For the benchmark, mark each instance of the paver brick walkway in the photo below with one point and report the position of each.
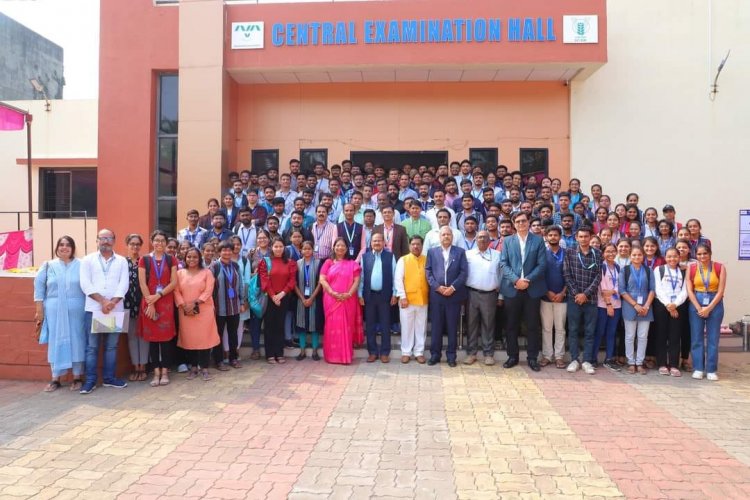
(308, 430)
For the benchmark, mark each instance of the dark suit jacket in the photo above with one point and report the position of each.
(230, 221)
(534, 264)
(457, 272)
(356, 242)
(400, 245)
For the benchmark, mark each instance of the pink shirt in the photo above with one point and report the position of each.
(609, 282)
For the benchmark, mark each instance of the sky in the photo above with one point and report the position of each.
(72, 24)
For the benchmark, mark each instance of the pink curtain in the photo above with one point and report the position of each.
(16, 249)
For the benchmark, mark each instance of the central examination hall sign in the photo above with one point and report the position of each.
(406, 31)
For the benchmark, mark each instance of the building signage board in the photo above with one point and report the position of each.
(580, 29)
(577, 29)
(248, 35)
(744, 251)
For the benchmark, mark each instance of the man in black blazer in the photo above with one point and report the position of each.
(351, 231)
(447, 270)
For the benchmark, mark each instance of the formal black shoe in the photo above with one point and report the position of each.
(534, 365)
(432, 362)
(510, 363)
(452, 364)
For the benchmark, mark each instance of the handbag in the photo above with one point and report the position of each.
(257, 298)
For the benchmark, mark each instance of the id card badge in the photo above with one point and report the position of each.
(159, 289)
(351, 251)
(308, 292)
(230, 293)
(639, 300)
(672, 298)
(315, 248)
(706, 301)
(615, 296)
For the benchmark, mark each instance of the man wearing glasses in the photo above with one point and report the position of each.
(523, 261)
(104, 280)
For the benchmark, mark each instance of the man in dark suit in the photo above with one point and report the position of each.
(377, 293)
(396, 239)
(351, 231)
(523, 260)
(447, 270)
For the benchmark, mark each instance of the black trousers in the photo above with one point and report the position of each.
(524, 308)
(499, 322)
(198, 357)
(161, 353)
(273, 328)
(231, 323)
(668, 332)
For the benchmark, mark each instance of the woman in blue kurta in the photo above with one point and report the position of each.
(59, 304)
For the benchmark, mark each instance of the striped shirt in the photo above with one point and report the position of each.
(323, 237)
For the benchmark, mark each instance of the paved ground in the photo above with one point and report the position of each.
(311, 430)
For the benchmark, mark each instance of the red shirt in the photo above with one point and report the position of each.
(282, 278)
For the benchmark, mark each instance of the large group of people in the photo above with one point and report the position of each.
(356, 254)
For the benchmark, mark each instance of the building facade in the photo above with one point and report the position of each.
(615, 93)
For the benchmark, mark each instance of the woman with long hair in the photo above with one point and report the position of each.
(59, 316)
(696, 236)
(309, 317)
(278, 276)
(261, 251)
(669, 310)
(609, 307)
(137, 346)
(340, 279)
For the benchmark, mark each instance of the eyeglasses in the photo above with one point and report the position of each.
(106, 238)
(521, 221)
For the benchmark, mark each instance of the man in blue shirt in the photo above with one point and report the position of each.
(377, 293)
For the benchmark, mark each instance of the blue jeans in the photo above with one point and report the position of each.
(255, 332)
(581, 316)
(606, 328)
(708, 345)
(92, 352)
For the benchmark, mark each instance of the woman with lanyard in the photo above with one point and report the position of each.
(137, 347)
(261, 251)
(665, 238)
(294, 248)
(609, 307)
(209, 252)
(294, 253)
(670, 309)
(278, 276)
(59, 303)
(636, 288)
(157, 275)
(650, 224)
(652, 260)
(706, 282)
(244, 265)
(309, 312)
(683, 250)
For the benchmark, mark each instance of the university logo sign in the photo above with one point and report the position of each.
(580, 29)
(247, 35)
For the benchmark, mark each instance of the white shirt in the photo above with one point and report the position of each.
(248, 236)
(522, 242)
(289, 198)
(484, 269)
(663, 286)
(108, 278)
(432, 240)
(379, 216)
(431, 216)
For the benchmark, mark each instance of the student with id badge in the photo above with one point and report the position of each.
(706, 282)
(636, 288)
(669, 312)
(309, 311)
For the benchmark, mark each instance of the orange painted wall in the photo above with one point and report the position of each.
(137, 41)
(410, 54)
(405, 116)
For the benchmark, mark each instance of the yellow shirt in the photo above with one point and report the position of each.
(713, 279)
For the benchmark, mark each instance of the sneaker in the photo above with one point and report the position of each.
(698, 375)
(588, 368)
(489, 360)
(470, 359)
(712, 376)
(115, 383)
(87, 388)
(573, 366)
(182, 368)
(612, 365)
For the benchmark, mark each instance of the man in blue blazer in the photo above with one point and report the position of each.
(523, 261)
(447, 270)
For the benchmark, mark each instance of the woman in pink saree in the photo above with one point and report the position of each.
(343, 323)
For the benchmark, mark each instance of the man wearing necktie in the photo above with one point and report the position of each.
(378, 293)
(447, 270)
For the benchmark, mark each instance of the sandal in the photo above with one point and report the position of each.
(650, 364)
(206, 376)
(164, 380)
(141, 376)
(315, 355)
(155, 381)
(255, 355)
(53, 386)
(560, 364)
(544, 362)
(631, 369)
(133, 376)
(271, 361)
(663, 370)
(687, 365)
(235, 363)
(281, 361)
(675, 372)
(642, 370)
(301, 356)
(192, 374)
(76, 385)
